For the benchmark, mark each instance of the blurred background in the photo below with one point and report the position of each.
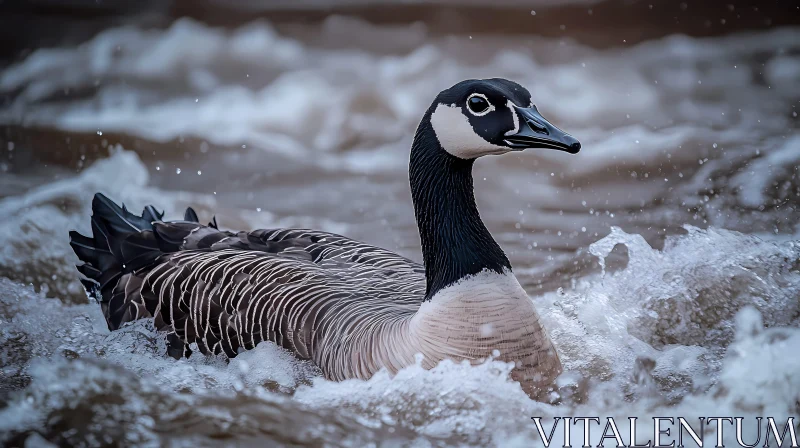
(301, 113)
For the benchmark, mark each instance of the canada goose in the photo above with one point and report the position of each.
(351, 308)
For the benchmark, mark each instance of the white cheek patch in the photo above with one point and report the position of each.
(511, 106)
(457, 136)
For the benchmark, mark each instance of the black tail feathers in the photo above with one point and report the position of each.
(121, 242)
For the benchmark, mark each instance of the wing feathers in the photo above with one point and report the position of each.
(307, 291)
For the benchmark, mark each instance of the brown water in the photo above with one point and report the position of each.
(691, 153)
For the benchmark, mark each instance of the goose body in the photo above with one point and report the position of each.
(351, 308)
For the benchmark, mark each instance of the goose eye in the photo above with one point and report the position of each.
(478, 104)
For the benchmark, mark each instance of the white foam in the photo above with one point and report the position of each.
(754, 181)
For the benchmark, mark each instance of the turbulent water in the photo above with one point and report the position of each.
(664, 258)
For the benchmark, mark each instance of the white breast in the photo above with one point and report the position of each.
(465, 317)
(482, 316)
(488, 314)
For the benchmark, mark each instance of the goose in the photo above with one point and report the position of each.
(349, 307)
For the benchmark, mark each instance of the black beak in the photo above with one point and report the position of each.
(536, 132)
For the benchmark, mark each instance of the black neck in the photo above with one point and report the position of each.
(455, 242)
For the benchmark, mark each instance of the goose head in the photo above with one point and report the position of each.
(473, 118)
(481, 117)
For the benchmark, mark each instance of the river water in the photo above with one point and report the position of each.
(664, 258)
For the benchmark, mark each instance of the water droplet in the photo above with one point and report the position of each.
(178, 171)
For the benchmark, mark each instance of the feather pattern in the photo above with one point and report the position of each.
(227, 292)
